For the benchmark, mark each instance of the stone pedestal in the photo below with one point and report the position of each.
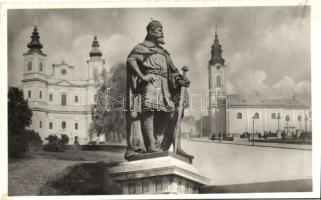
(162, 173)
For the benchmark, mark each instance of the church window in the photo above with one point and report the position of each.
(63, 125)
(256, 116)
(76, 126)
(50, 125)
(63, 99)
(273, 116)
(239, 115)
(299, 118)
(29, 93)
(287, 118)
(40, 124)
(50, 97)
(40, 66)
(95, 74)
(29, 66)
(218, 81)
(40, 94)
(63, 71)
(76, 99)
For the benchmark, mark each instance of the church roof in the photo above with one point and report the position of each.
(260, 101)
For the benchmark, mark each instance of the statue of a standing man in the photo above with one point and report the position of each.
(153, 94)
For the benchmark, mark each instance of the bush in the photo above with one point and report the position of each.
(34, 139)
(82, 179)
(64, 139)
(56, 144)
(92, 142)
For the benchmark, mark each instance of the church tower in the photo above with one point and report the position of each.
(217, 99)
(34, 58)
(35, 81)
(95, 68)
(34, 75)
(95, 63)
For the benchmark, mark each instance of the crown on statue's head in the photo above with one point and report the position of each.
(153, 24)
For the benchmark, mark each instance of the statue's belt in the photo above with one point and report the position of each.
(157, 72)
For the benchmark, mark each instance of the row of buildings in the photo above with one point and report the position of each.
(61, 103)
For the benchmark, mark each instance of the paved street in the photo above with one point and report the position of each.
(228, 164)
(244, 141)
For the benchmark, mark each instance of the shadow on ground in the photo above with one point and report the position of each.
(82, 179)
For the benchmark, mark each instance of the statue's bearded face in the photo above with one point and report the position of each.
(158, 35)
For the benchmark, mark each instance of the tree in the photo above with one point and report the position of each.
(19, 117)
(19, 114)
(108, 114)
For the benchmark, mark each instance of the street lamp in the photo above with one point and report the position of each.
(253, 128)
(255, 116)
(201, 123)
(279, 117)
(287, 119)
(306, 123)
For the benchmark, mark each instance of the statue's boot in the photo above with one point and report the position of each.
(131, 154)
(184, 154)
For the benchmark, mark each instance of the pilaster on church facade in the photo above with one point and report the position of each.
(60, 102)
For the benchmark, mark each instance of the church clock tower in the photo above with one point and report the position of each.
(217, 98)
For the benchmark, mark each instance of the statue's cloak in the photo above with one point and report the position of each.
(141, 52)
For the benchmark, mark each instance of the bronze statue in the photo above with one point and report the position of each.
(153, 96)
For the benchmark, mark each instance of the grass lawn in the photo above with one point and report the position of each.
(29, 175)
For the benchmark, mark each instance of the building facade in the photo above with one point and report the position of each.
(60, 102)
(236, 114)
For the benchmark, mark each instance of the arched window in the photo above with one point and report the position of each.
(256, 116)
(29, 66)
(299, 118)
(40, 66)
(218, 81)
(273, 116)
(287, 118)
(239, 115)
(63, 125)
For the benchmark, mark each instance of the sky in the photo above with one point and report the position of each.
(267, 49)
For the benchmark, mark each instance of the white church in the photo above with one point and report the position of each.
(61, 103)
(235, 114)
